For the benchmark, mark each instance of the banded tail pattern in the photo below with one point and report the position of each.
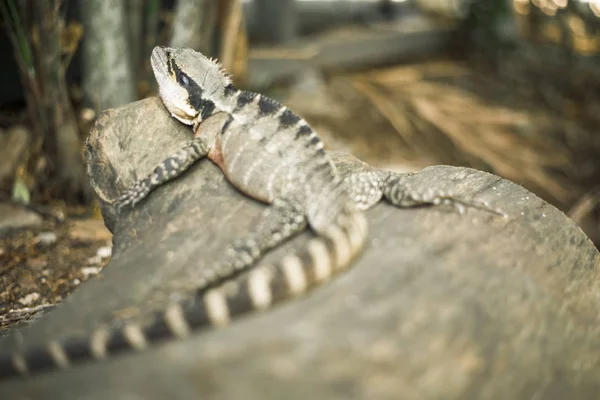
(258, 289)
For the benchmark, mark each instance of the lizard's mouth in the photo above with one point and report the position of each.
(182, 116)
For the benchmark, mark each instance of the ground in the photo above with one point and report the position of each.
(42, 265)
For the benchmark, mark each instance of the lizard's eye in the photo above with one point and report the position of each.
(183, 80)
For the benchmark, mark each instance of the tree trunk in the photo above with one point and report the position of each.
(233, 43)
(277, 21)
(62, 144)
(194, 25)
(108, 74)
(152, 18)
(135, 9)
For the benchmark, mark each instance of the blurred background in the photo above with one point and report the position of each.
(505, 86)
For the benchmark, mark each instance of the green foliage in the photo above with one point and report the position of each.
(153, 8)
(16, 32)
(20, 192)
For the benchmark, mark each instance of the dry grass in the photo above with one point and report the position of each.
(443, 112)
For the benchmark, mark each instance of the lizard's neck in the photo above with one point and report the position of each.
(241, 105)
(224, 100)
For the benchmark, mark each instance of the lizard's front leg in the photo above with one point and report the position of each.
(279, 222)
(173, 166)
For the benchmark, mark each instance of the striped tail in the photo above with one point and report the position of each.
(258, 289)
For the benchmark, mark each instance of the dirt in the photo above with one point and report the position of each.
(41, 266)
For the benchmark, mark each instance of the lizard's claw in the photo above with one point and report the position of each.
(462, 205)
(131, 197)
(122, 201)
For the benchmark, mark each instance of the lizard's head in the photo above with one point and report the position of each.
(188, 81)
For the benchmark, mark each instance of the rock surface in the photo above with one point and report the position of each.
(14, 217)
(440, 305)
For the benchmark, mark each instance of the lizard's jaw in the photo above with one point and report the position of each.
(182, 116)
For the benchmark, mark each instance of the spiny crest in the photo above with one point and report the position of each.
(206, 72)
(222, 70)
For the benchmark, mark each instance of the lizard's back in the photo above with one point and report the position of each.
(270, 153)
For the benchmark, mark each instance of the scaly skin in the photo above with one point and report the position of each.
(272, 155)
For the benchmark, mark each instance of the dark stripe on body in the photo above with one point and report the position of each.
(117, 342)
(308, 265)
(159, 329)
(41, 360)
(230, 90)
(267, 106)
(244, 99)
(287, 119)
(195, 314)
(226, 124)
(6, 366)
(240, 302)
(303, 131)
(78, 349)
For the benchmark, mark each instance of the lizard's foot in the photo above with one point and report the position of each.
(461, 205)
(400, 193)
(170, 168)
(132, 196)
(365, 187)
(278, 223)
(241, 255)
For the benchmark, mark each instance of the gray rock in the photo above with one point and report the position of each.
(14, 217)
(440, 305)
(46, 239)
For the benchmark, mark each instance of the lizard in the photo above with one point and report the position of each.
(272, 155)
